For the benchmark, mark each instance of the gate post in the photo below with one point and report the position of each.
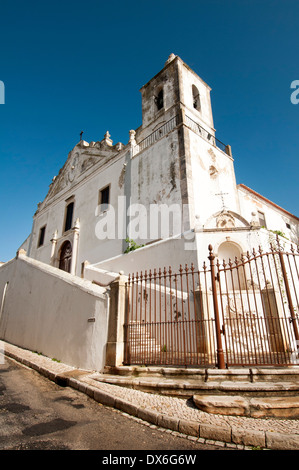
(117, 309)
(220, 355)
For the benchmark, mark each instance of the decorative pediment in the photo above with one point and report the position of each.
(226, 220)
(83, 157)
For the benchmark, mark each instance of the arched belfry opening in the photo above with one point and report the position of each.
(196, 98)
(159, 99)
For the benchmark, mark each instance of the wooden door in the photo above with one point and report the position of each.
(65, 260)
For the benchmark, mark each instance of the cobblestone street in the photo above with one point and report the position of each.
(176, 416)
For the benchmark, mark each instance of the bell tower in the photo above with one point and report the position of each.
(178, 158)
(175, 89)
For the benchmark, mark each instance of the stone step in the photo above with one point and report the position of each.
(140, 350)
(183, 387)
(266, 407)
(144, 344)
(206, 374)
(143, 340)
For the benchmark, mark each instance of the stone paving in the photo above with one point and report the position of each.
(184, 409)
(176, 414)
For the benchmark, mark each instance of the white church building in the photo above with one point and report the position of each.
(171, 191)
(172, 188)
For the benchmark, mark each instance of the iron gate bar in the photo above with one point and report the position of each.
(291, 271)
(288, 292)
(273, 252)
(220, 355)
(286, 284)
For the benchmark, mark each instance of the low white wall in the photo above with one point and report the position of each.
(171, 252)
(103, 277)
(49, 311)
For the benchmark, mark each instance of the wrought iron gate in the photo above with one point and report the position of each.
(258, 307)
(239, 312)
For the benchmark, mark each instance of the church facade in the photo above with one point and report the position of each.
(171, 190)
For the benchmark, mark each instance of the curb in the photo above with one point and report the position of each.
(229, 436)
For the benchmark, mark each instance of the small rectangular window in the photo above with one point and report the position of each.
(69, 216)
(104, 198)
(41, 237)
(262, 219)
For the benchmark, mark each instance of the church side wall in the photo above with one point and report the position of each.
(50, 312)
(275, 220)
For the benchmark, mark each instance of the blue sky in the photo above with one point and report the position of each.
(69, 66)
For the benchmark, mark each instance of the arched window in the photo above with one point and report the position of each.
(196, 98)
(159, 99)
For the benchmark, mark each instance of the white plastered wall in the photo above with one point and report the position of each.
(209, 182)
(53, 313)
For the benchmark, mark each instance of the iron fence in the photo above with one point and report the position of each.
(169, 318)
(171, 124)
(236, 312)
(158, 133)
(206, 135)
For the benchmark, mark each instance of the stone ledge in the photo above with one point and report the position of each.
(206, 374)
(266, 407)
(277, 441)
(183, 387)
(250, 437)
(223, 405)
(275, 407)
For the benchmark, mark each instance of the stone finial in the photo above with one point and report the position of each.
(170, 58)
(77, 224)
(55, 236)
(107, 138)
(21, 252)
(132, 137)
